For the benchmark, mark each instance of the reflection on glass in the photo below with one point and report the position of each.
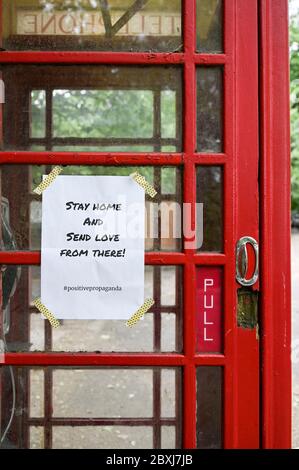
(112, 25)
(209, 19)
(36, 435)
(209, 109)
(38, 113)
(209, 407)
(92, 108)
(210, 194)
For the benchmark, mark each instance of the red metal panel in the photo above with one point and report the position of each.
(209, 314)
(246, 356)
(275, 228)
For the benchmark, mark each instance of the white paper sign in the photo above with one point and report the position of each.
(93, 247)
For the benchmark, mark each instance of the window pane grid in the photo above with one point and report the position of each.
(28, 391)
(48, 142)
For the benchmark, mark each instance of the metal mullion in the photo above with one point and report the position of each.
(91, 158)
(178, 408)
(157, 282)
(93, 359)
(189, 378)
(49, 119)
(157, 170)
(230, 423)
(209, 59)
(157, 315)
(76, 57)
(165, 309)
(157, 348)
(179, 347)
(209, 159)
(48, 402)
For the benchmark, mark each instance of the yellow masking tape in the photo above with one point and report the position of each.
(140, 312)
(148, 188)
(46, 313)
(48, 180)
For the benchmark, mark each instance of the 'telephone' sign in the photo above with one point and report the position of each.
(32, 22)
(209, 309)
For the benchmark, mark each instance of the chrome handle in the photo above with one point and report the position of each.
(242, 250)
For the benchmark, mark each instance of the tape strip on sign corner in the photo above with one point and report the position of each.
(48, 180)
(46, 313)
(148, 188)
(140, 312)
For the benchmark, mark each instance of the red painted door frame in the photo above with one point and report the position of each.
(256, 152)
(275, 225)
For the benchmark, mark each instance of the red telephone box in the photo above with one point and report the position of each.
(195, 96)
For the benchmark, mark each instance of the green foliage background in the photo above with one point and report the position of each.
(294, 55)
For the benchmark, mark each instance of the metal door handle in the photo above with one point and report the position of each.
(242, 251)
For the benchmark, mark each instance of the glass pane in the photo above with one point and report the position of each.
(36, 393)
(209, 309)
(105, 393)
(210, 194)
(209, 407)
(209, 25)
(112, 25)
(160, 329)
(92, 108)
(102, 437)
(163, 214)
(209, 109)
(108, 407)
(38, 113)
(168, 113)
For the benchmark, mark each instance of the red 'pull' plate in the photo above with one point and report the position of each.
(209, 309)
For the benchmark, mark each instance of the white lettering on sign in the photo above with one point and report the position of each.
(207, 304)
(90, 23)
